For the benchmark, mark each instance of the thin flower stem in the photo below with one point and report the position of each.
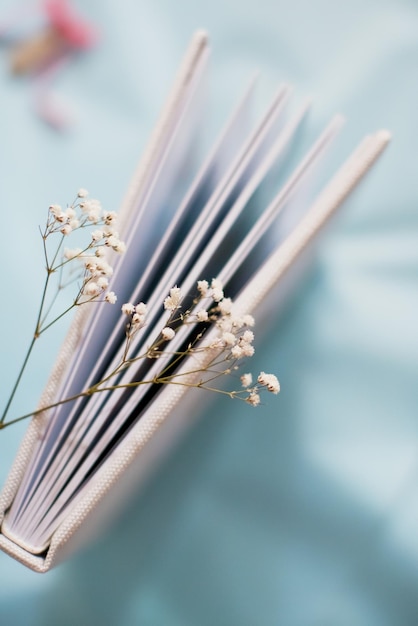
(47, 408)
(16, 385)
(97, 388)
(82, 394)
(70, 281)
(79, 256)
(178, 355)
(202, 385)
(36, 335)
(41, 306)
(221, 357)
(44, 236)
(56, 252)
(51, 304)
(67, 310)
(167, 379)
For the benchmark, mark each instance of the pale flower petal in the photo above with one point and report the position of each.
(246, 380)
(111, 297)
(167, 333)
(172, 301)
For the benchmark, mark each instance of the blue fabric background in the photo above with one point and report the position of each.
(304, 512)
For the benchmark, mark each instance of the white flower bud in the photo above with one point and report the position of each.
(202, 316)
(246, 380)
(111, 297)
(127, 308)
(167, 333)
(172, 301)
(253, 399)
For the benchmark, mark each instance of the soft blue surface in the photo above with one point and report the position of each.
(304, 512)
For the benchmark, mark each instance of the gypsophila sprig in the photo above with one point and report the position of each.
(83, 267)
(92, 271)
(230, 341)
(195, 346)
(209, 330)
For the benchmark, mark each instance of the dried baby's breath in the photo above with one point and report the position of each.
(89, 268)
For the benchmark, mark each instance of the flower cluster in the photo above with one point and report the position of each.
(210, 328)
(93, 270)
(173, 300)
(265, 381)
(233, 340)
(136, 314)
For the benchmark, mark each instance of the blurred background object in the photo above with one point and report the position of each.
(305, 513)
(42, 38)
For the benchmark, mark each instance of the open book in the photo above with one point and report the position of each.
(182, 223)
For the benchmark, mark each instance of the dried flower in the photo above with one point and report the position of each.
(231, 340)
(248, 320)
(167, 333)
(70, 213)
(202, 316)
(109, 217)
(141, 308)
(127, 308)
(172, 301)
(253, 399)
(97, 235)
(225, 306)
(270, 381)
(248, 336)
(104, 267)
(136, 312)
(91, 289)
(103, 282)
(56, 210)
(237, 352)
(119, 247)
(246, 380)
(216, 284)
(72, 253)
(111, 297)
(247, 350)
(203, 287)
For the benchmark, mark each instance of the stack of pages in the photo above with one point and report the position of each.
(182, 223)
